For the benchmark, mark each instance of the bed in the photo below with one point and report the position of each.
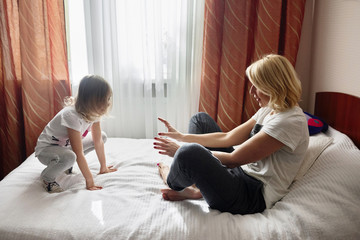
(323, 202)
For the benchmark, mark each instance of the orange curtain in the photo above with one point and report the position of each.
(34, 76)
(236, 33)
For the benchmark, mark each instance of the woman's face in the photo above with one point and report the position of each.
(259, 96)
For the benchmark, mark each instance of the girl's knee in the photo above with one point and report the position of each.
(69, 157)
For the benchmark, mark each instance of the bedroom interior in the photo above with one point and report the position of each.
(318, 36)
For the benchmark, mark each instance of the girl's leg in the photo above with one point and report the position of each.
(88, 143)
(202, 123)
(57, 159)
(229, 190)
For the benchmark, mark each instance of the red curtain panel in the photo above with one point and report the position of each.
(236, 33)
(34, 75)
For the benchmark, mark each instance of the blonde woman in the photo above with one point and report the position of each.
(258, 173)
(65, 138)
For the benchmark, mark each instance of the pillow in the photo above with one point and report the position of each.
(315, 124)
(317, 144)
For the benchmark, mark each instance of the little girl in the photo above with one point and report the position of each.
(65, 138)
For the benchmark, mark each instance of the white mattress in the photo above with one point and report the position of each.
(323, 204)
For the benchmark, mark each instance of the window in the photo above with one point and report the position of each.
(148, 50)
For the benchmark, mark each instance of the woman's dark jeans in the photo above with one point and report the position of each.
(224, 189)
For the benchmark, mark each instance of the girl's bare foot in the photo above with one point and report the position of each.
(191, 192)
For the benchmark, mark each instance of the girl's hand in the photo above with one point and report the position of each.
(91, 186)
(166, 146)
(94, 188)
(107, 169)
(172, 132)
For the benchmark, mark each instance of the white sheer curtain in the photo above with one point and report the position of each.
(149, 51)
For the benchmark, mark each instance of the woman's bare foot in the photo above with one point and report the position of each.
(191, 192)
(164, 171)
(187, 193)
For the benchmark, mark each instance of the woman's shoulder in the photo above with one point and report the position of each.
(263, 111)
(293, 117)
(294, 112)
(290, 127)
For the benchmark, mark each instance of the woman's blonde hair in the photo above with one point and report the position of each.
(275, 76)
(93, 99)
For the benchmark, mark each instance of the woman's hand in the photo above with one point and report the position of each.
(172, 132)
(166, 146)
(107, 169)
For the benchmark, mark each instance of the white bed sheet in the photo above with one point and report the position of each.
(324, 204)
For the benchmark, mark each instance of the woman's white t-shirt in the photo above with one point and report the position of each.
(55, 132)
(278, 170)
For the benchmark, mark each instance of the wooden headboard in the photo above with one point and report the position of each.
(341, 111)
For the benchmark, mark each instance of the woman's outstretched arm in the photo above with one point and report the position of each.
(218, 139)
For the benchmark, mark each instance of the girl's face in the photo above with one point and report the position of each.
(259, 96)
(104, 109)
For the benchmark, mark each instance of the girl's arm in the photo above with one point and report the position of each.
(218, 139)
(99, 148)
(77, 147)
(254, 149)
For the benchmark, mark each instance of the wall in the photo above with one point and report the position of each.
(329, 53)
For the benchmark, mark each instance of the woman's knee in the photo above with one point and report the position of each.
(188, 150)
(202, 123)
(191, 154)
(200, 117)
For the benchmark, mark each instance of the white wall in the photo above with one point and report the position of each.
(329, 53)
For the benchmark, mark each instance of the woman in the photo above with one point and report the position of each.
(272, 145)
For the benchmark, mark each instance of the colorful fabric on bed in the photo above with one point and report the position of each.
(315, 124)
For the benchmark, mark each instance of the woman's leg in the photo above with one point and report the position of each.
(229, 190)
(201, 123)
(57, 159)
(191, 192)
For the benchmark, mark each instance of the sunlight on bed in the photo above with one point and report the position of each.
(205, 208)
(97, 210)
